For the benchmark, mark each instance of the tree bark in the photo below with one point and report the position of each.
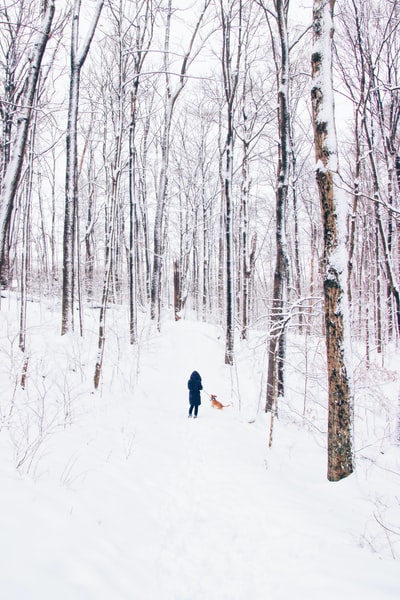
(334, 214)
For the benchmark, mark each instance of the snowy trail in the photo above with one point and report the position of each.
(227, 527)
(138, 502)
(200, 485)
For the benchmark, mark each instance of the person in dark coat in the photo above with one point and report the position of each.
(194, 386)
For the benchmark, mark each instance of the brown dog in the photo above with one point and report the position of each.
(216, 403)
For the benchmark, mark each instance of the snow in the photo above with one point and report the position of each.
(121, 496)
(322, 80)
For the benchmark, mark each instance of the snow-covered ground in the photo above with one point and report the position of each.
(119, 496)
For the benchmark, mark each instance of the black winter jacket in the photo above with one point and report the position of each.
(195, 385)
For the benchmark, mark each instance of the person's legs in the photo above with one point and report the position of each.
(191, 410)
(196, 410)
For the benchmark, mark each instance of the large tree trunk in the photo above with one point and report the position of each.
(334, 214)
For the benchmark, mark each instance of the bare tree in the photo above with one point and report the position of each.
(369, 69)
(171, 96)
(25, 255)
(144, 24)
(248, 128)
(277, 336)
(129, 46)
(13, 165)
(334, 215)
(197, 185)
(78, 56)
(231, 18)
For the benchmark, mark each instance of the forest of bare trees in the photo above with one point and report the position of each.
(235, 160)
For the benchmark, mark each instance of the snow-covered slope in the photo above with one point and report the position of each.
(128, 499)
